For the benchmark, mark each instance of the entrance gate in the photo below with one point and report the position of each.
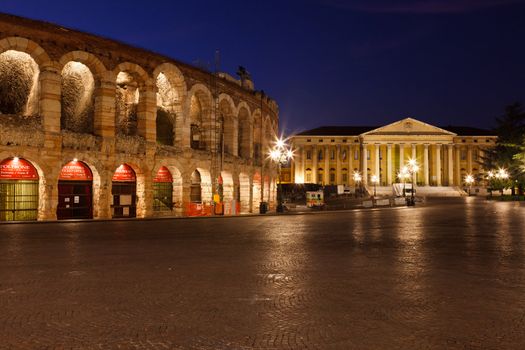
(18, 190)
(124, 191)
(75, 196)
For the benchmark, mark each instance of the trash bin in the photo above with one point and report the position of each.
(263, 207)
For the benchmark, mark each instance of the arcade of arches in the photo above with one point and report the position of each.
(118, 131)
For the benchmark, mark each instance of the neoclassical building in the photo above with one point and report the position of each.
(93, 128)
(331, 155)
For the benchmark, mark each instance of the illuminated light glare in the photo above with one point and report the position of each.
(375, 179)
(469, 179)
(357, 177)
(16, 159)
(280, 143)
(75, 160)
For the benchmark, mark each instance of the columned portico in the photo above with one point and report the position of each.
(336, 157)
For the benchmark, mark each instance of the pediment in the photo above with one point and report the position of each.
(409, 126)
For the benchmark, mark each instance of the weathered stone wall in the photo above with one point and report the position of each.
(98, 101)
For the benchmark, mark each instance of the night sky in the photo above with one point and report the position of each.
(332, 62)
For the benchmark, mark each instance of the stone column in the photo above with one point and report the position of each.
(425, 164)
(458, 165)
(469, 159)
(350, 162)
(315, 154)
(104, 123)
(438, 164)
(50, 99)
(414, 151)
(377, 162)
(401, 155)
(303, 163)
(338, 165)
(450, 153)
(389, 164)
(364, 163)
(326, 173)
(147, 112)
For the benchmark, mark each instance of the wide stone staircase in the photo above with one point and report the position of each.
(422, 191)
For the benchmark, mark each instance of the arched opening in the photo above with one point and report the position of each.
(78, 98)
(168, 100)
(19, 190)
(244, 130)
(126, 104)
(244, 192)
(195, 187)
(196, 124)
(165, 132)
(75, 192)
(19, 74)
(163, 191)
(124, 192)
(227, 125)
(257, 138)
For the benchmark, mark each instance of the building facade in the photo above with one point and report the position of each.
(93, 128)
(445, 155)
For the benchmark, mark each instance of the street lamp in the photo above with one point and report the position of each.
(357, 181)
(281, 154)
(403, 175)
(375, 180)
(469, 180)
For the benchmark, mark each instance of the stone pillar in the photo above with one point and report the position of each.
(458, 165)
(389, 164)
(377, 171)
(104, 123)
(338, 165)
(450, 153)
(414, 151)
(102, 195)
(314, 161)
(469, 159)
(350, 162)
(438, 164)
(147, 112)
(50, 99)
(401, 155)
(364, 163)
(426, 165)
(326, 173)
(302, 169)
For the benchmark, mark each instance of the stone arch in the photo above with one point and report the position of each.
(176, 183)
(257, 136)
(245, 132)
(21, 61)
(171, 94)
(91, 61)
(227, 114)
(131, 79)
(198, 109)
(77, 98)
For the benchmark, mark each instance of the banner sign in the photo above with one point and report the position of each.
(124, 173)
(163, 175)
(17, 169)
(76, 171)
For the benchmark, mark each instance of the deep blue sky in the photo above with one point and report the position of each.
(333, 62)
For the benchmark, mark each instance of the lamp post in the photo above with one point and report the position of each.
(413, 169)
(469, 180)
(357, 181)
(375, 180)
(502, 175)
(281, 154)
(403, 175)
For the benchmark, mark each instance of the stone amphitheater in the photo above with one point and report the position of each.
(94, 128)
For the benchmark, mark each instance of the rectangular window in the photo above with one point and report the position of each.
(345, 177)
(356, 154)
(475, 155)
(463, 154)
(332, 155)
(368, 154)
(332, 177)
(308, 178)
(320, 155)
(308, 154)
(344, 155)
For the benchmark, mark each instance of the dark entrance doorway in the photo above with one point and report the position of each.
(124, 192)
(18, 190)
(163, 191)
(75, 192)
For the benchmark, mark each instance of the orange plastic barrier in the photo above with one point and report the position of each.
(198, 209)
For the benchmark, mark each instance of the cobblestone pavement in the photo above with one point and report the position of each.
(444, 276)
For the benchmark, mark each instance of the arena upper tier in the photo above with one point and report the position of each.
(90, 127)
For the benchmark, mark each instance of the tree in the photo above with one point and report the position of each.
(508, 151)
